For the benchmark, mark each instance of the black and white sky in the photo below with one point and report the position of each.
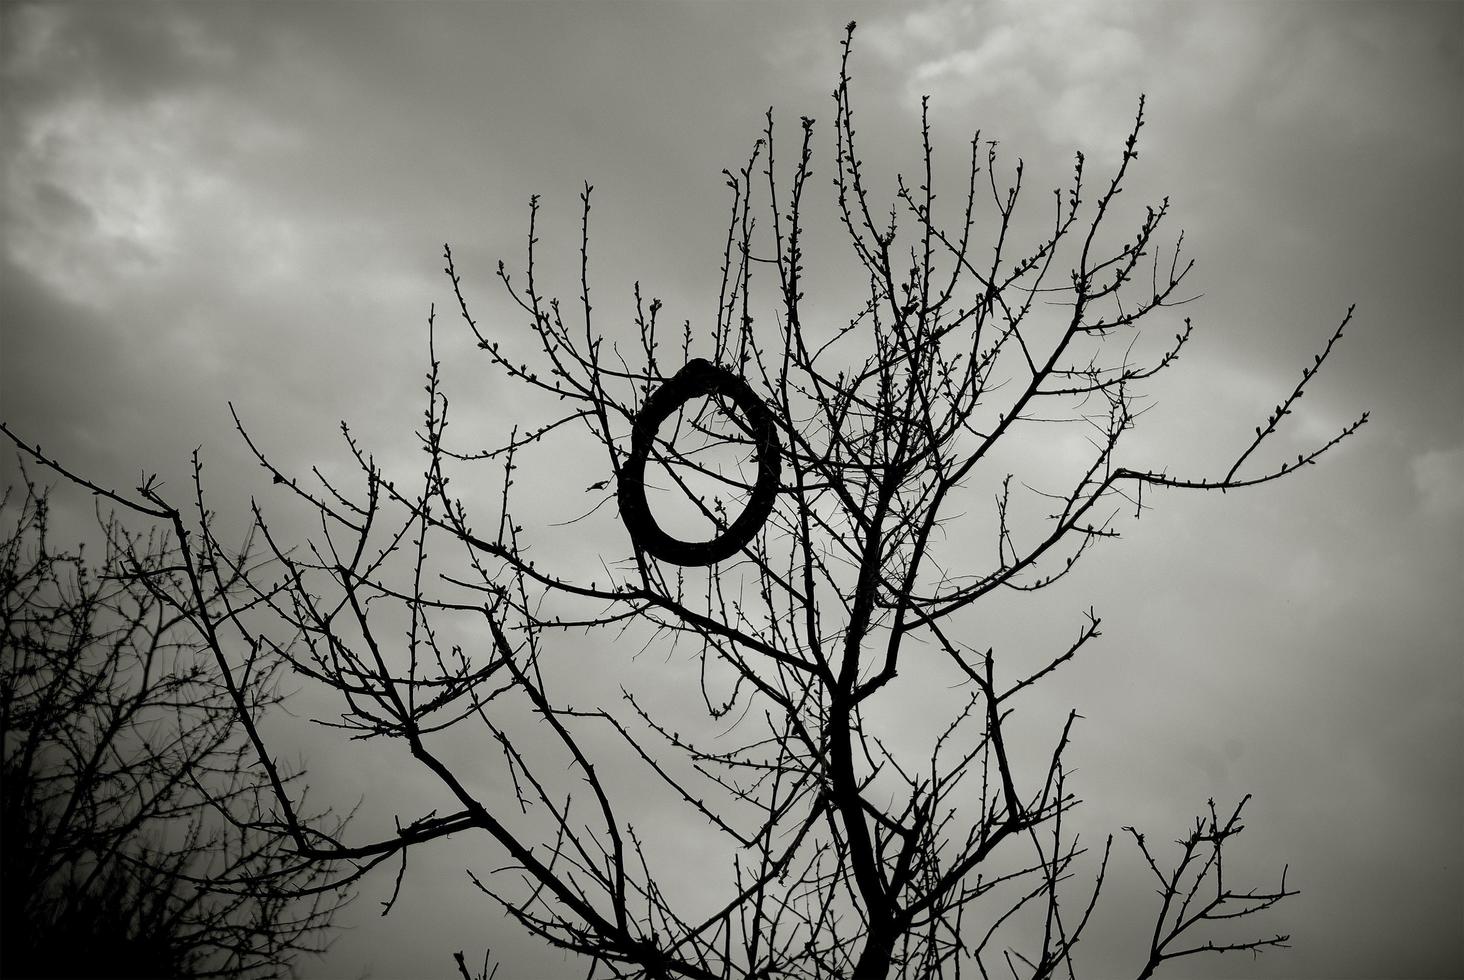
(206, 203)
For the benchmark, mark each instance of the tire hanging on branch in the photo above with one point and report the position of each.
(698, 377)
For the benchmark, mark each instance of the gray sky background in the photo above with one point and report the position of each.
(247, 202)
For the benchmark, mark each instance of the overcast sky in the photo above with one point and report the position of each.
(206, 203)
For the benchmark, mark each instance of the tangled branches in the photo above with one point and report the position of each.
(829, 844)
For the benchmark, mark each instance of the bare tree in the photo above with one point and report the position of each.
(132, 845)
(859, 447)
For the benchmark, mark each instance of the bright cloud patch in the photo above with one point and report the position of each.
(1055, 59)
(99, 196)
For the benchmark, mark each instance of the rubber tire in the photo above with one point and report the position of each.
(698, 377)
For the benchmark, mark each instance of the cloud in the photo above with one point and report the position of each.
(95, 197)
(120, 54)
(1438, 477)
(122, 153)
(1056, 61)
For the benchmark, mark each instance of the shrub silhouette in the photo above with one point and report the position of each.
(133, 841)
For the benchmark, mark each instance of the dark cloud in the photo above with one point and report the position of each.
(124, 53)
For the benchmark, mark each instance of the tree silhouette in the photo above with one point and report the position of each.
(833, 848)
(129, 809)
